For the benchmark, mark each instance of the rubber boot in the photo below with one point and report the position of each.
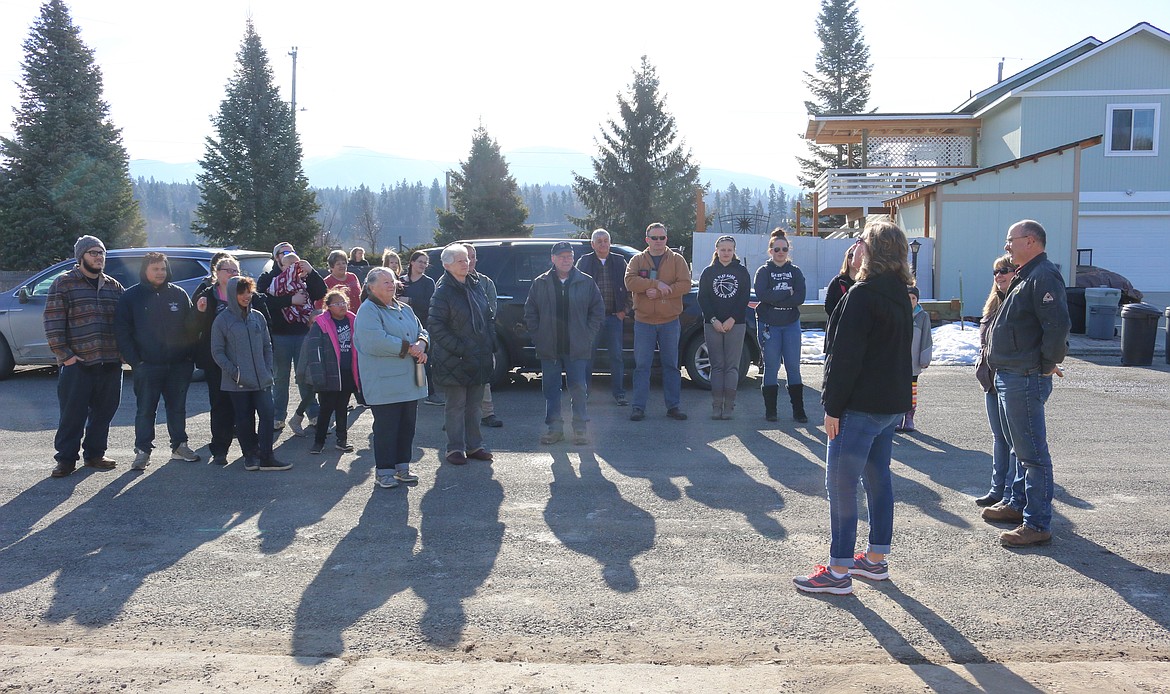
(796, 395)
(717, 404)
(728, 403)
(770, 393)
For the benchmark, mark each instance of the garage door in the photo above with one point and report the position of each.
(1137, 247)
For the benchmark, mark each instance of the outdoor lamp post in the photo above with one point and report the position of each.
(915, 245)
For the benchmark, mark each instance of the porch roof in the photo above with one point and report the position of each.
(1014, 163)
(848, 129)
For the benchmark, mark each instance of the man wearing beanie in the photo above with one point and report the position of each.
(79, 326)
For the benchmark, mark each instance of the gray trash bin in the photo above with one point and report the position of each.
(1101, 312)
(1139, 330)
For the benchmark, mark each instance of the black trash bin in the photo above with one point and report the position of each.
(1139, 330)
(1167, 350)
(1075, 296)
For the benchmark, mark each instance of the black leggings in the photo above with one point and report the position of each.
(335, 404)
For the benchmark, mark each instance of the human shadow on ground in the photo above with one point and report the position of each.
(959, 648)
(372, 563)
(461, 537)
(21, 514)
(589, 516)
(104, 549)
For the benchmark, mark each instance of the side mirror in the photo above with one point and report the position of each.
(24, 295)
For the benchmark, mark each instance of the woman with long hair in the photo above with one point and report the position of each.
(840, 284)
(780, 288)
(1003, 460)
(866, 390)
(416, 291)
(724, 290)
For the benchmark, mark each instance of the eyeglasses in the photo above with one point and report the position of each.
(656, 238)
(779, 249)
(340, 304)
(1003, 272)
(229, 270)
(1015, 238)
(96, 254)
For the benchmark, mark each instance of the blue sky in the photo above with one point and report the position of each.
(415, 81)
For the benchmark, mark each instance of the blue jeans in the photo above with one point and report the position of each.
(170, 382)
(255, 437)
(861, 450)
(286, 354)
(781, 344)
(1003, 460)
(88, 397)
(550, 383)
(665, 336)
(1021, 400)
(610, 337)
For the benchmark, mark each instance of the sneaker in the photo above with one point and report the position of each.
(296, 424)
(435, 399)
(184, 452)
(637, 415)
(273, 465)
(1002, 513)
(385, 481)
(219, 459)
(551, 437)
(406, 478)
(876, 570)
(1024, 536)
(344, 447)
(63, 469)
(620, 400)
(580, 439)
(492, 421)
(317, 447)
(823, 581)
(675, 413)
(141, 460)
(251, 464)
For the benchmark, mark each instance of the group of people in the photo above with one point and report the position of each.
(873, 350)
(411, 339)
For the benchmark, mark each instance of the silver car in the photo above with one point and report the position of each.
(22, 309)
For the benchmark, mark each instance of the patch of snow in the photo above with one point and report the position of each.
(955, 344)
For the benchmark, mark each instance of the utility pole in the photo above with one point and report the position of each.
(293, 53)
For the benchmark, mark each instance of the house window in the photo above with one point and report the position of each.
(1132, 130)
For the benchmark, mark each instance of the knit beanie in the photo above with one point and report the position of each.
(85, 243)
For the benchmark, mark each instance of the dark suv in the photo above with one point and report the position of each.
(514, 263)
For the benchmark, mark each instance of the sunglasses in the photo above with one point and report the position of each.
(1002, 272)
(656, 238)
(779, 249)
(284, 253)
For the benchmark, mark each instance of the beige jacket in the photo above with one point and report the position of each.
(673, 270)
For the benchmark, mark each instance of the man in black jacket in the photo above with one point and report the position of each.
(1026, 343)
(156, 328)
(608, 271)
(563, 312)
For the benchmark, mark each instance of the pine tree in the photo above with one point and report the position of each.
(485, 200)
(255, 193)
(641, 175)
(65, 172)
(841, 85)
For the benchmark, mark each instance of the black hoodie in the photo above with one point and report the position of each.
(867, 349)
(155, 325)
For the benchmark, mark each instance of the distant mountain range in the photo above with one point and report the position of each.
(354, 166)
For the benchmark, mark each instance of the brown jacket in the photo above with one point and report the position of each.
(673, 270)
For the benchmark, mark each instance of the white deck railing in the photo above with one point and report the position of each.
(868, 188)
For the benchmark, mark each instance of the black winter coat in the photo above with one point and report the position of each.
(463, 333)
(155, 325)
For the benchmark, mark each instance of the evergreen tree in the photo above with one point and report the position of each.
(840, 85)
(65, 172)
(255, 193)
(641, 175)
(485, 200)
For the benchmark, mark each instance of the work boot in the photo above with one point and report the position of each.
(728, 402)
(796, 395)
(1002, 513)
(770, 393)
(1024, 536)
(716, 404)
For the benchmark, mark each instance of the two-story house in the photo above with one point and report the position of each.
(1075, 142)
